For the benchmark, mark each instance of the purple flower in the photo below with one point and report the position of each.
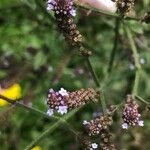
(94, 146)
(62, 7)
(73, 12)
(63, 92)
(50, 112)
(51, 90)
(85, 122)
(130, 115)
(141, 123)
(124, 126)
(62, 109)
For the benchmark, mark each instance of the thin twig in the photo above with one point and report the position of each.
(102, 12)
(136, 60)
(51, 129)
(103, 102)
(36, 111)
(43, 135)
(31, 109)
(90, 67)
(97, 83)
(142, 100)
(114, 49)
(80, 5)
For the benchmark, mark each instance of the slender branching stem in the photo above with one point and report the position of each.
(115, 45)
(103, 102)
(136, 60)
(43, 135)
(97, 83)
(102, 12)
(80, 5)
(30, 109)
(43, 114)
(90, 67)
(52, 128)
(142, 100)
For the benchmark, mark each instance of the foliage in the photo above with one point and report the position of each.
(34, 54)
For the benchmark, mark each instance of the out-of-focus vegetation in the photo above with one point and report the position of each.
(34, 54)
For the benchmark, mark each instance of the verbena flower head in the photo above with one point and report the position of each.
(97, 125)
(130, 115)
(57, 101)
(124, 6)
(61, 101)
(64, 14)
(106, 141)
(61, 7)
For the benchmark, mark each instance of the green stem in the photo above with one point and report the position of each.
(36, 111)
(114, 49)
(95, 78)
(136, 82)
(136, 60)
(90, 67)
(43, 135)
(31, 109)
(51, 129)
(142, 100)
(114, 15)
(103, 102)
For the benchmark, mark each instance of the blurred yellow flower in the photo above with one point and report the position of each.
(36, 148)
(13, 92)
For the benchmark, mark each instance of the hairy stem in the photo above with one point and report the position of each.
(51, 129)
(90, 67)
(43, 135)
(114, 15)
(142, 100)
(41, 113)
(31, 109)
(97, 83)
(103, 102)
(136, 60)
(114, 49)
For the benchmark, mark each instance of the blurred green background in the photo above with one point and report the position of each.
(34, 54)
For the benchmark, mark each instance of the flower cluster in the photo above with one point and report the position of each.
(99, 127)
(88, 145)
(124, 6)
(62, 7)
(64, 13)
(62, 100)
(131, 116)
(106, 138)
(100, 123)
(95, 126)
